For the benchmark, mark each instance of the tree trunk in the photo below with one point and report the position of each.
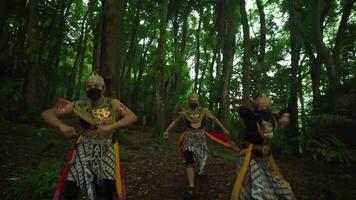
(97, 31)
(111, 48)
(73, 78)
(246, 63)
(221, 18)
(197, 58)
(315, 69)
(212, 79)
(4, 16)
(333, 78)
(295, 56)
(181, 57)
(131, 55)
(262, 48)
(229, 51)
(302, 102)
(160, 65)
(315, 63)
(78, 84)
(32, 55)
(55, 53)
(206, 64)
(339, 42)
(141, 65)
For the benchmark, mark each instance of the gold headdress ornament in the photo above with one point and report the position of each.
(193, 96)
(96, 78)
(263, 101)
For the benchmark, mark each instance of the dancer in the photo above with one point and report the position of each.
(192, 143)
(93, 165)
(258, 175)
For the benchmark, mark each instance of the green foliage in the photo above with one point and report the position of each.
(329, 124)
(331, 148)
(59, 47)
(12, 97)
(328, 137)
(38, 183)
(281, 143)
(225, 155)
(125, 154)
(123, 138)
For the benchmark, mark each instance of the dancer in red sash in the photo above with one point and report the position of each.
(93, 165)
(192, 144)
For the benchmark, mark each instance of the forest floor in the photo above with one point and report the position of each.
(154, 170)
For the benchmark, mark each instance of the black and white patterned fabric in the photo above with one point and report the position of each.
(196, 143)
(92, 161)
(261, 182)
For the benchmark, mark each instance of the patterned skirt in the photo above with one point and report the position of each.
(92, 161)
(261, 182)
(195, 142)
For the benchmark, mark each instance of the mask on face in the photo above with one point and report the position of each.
(193, 106)
(94, 94)
(265, 114)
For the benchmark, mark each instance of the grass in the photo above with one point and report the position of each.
(38, 183)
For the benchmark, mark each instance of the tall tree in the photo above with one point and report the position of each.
(315, 72)
(131, 53)
(32, 54)
(322, 50)
(295, 56)
(181, 53)
(340, 35)
(111, 44)
(315, 61)
(74, 82)
(246, 62)
(54, 53)
(262, 47)
(221, 17)
(160, 65)
(97, 30)
(229, 51)
(197, 37)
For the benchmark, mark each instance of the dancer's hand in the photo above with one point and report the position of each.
(284, 119)
(236, 149)
(227, 132)
(67, 130)
(165, 135)
(105, 131)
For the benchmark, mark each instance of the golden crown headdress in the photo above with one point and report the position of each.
(193, 96)
(263, 101)
(96, 78)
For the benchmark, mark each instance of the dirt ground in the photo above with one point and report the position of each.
(154, 171)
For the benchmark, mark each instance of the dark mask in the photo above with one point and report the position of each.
(94, 94)
(265, 114)
(193, 106)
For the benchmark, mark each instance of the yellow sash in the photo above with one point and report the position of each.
(118, 180)
(84, 115)
(245, 166)
(240, 178)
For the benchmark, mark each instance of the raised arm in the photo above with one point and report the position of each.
(128, 118)
(216, 121)
(51, 116)
(172, 125)
(283, 117)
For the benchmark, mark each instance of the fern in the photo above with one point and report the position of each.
(331, 148)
